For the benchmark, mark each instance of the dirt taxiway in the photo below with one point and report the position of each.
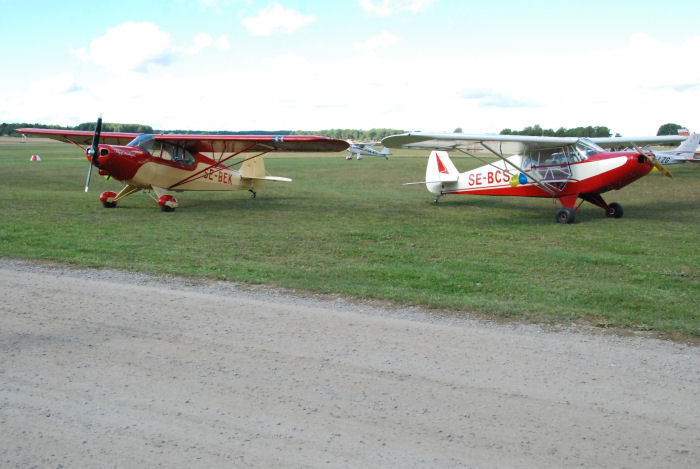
(102, 368)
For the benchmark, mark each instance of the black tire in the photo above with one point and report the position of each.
(166, 208)
(109, 204)
(615, 210)
(565, 215)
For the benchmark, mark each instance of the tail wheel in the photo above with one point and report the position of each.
(565, 215)
(615, 210)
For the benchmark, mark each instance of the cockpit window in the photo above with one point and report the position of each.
(173, 152)
(586, 148)
(144, 142)
(167, 151)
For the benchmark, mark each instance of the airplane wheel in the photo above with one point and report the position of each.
(167, 208)
(109, 204)
(615, 210)
(348, 157)
(566, 215)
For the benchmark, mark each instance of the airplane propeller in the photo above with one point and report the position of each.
(652, 159)
(92, 151)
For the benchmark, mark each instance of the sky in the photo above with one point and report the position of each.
(431, 65)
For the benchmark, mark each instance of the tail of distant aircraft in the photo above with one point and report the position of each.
(685, 151)
(385, 153)
(440, 170)
(690, 144)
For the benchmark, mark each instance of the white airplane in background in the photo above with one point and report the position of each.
(686, 151)
(365, 148)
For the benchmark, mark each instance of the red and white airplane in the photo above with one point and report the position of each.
(167, 163)
(563, 168)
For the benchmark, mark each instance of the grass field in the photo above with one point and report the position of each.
(349, 227)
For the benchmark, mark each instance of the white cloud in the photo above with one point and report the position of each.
(55, 84)
(276, 19)
(389, 7)
(383, 39)
(489, 98)
(201, 41)
(129, 46)
(222, 43)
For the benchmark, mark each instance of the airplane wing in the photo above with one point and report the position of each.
(617, 142)
(80, 137)
(508, 144)
(254, 143)
(204, 143)
(505, 144)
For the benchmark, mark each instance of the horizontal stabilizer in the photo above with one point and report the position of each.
(421, 182)
(268, 178)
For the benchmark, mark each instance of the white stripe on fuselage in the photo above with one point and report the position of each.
(587, 169)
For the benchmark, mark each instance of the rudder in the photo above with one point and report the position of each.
(440, 170)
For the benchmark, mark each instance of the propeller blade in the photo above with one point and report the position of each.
(94, 148)
(654, 161)
(87, 182)
(661, 168)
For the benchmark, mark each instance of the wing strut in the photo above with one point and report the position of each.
(198, 173)
(522, 171)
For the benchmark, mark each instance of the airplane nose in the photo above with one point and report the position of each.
(103, 157)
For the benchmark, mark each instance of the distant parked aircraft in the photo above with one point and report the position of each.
(365, 148)
(686, 151)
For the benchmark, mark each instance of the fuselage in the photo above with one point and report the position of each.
(136, 167)
(598, 173)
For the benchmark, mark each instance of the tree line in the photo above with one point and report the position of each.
(351, 134)
(536, 130)
(9, 128)
(345, 134)
(589, 131)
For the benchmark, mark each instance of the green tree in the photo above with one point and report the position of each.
(669, 129)
(536, 130)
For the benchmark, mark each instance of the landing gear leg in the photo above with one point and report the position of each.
(253, 193)
(436, 199)
(614, 210)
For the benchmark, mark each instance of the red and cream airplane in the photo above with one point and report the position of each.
(563, 168)
(166, 163)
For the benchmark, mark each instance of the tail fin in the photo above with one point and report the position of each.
(385, 151)
(254, 170)
(690, 144)
(440, 170)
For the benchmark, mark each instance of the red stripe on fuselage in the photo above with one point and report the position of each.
(613, 179)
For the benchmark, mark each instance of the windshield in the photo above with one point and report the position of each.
(587, 147)
(144, 142)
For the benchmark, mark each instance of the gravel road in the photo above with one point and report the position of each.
(102, 368)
